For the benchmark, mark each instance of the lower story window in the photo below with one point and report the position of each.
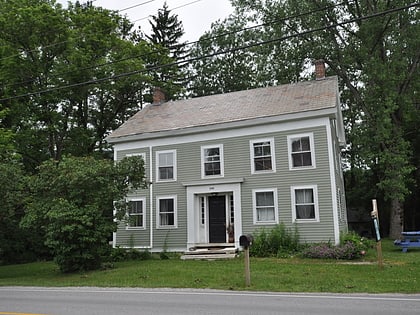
(136, 213)
(305, 203)
(167, 212)
(265, 206)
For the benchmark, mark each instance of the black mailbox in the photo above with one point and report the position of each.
(246, 240)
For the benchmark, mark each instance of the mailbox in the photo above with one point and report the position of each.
(246, 240)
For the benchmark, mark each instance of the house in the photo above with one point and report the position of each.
(225, 165)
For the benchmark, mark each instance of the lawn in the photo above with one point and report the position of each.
(400, 274)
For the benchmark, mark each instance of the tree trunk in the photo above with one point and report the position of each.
(396, 219)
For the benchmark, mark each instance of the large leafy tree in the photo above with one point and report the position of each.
(373, 48)
(218, 67)
(68, 77)
(71, 203)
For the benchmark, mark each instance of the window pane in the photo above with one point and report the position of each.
(211, 152)
(265, 198)
(265, 214)
(305, 144)
(135, 207)
(166, 205)
(305, 212)
(296, 145)
(212, 168)
(263, 164)
(166, 159)
(301, 159)
(166, 219)
(166, 172)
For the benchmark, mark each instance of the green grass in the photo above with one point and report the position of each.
(401, 274)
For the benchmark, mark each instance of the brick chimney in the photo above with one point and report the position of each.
(159, 96)
(319, 69)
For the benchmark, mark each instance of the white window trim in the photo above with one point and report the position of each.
(166, 227)
(289, 148)
(254, 206)
(174, 166)
(222, 164)
(293, 197)
(273, 155)
(143, 200)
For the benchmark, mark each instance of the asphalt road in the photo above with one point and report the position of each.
(106, 301)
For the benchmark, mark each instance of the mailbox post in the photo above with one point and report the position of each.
(245, 241)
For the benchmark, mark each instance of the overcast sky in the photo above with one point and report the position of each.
(196, 15)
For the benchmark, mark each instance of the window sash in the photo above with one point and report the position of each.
(301, 152)
(212, 158)
(166, 212)
(135, 213)
(265, 207)
(166, 165)
(262, 156)
(305, 204)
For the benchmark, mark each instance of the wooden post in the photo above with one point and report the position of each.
(247, 271)
(375, 217)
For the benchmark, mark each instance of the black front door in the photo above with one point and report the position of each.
(217, 219)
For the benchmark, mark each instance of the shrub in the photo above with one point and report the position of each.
(278, 242)
(351, 246)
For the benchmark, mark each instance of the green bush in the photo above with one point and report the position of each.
(276, 242)
(351, 246)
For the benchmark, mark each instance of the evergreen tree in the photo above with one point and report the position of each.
(167, 32)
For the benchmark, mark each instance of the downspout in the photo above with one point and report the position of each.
(151, 195)
(114, 234)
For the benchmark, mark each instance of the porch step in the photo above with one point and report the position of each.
(210, 251)
(208, 257)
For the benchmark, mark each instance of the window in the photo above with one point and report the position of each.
(166, 165)
(305, 203)
(166, 212)
(265, 206)
(301, 151)
(262, 156)
(212, 161)
(136, 213)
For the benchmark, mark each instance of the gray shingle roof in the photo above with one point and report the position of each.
(231, 107)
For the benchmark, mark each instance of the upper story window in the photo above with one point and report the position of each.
(212, 161)
(166, 212)
(305, 203)
(166, 165)
(136, 213)
(262, 155)
(301, 151)
(265, 206)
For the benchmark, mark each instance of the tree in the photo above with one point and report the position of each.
(72, 204)
(376, 58)
(215, 72)
(167, 32)
(67, 89)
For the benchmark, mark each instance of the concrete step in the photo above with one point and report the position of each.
(208, 257)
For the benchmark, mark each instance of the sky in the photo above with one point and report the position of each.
(196, 15)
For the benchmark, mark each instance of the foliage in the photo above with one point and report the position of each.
(351, 246)
(167, 32)
(278, 242)
(66, 90)
(376, 59)
(72, 204)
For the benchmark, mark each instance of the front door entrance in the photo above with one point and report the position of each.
(217, 219)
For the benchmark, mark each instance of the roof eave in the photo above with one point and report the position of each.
(326, 112)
